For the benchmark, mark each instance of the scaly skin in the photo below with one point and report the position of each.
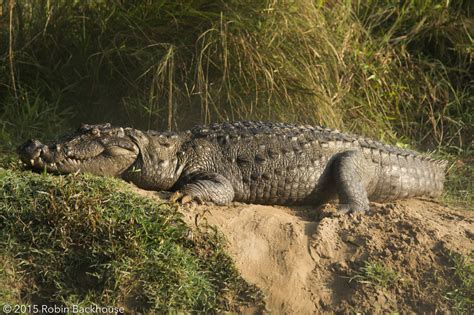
(254, 162)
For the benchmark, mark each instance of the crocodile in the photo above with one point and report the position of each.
(251, 162)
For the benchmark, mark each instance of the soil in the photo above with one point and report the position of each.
(310, 261)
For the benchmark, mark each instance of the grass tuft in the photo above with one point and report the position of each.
(377, 274)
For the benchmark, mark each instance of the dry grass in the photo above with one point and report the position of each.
(395, 72)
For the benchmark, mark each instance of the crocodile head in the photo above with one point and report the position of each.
(96, 149)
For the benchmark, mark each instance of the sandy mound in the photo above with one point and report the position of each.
(305, 264)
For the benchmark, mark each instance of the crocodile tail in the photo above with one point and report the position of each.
(405, 176)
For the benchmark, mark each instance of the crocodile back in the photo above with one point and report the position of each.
(280, 163)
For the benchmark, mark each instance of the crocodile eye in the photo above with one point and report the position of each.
(95, 131)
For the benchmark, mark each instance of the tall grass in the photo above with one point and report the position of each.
(400, 72)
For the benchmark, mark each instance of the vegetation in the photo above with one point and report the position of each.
(462, 292)
(455, 282)
(459, 186)
(84, 240)
(376, 273)
(399, 71)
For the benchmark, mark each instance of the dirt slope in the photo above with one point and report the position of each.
(304, 262)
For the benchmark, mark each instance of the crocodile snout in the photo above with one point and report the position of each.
(33, 150)
(30, 150)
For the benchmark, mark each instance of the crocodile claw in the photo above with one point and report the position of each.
(179, 197)
(335, 211)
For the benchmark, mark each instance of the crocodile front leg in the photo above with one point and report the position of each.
(349, 176)
(206, 187)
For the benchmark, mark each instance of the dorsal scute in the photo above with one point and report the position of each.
(302, 134)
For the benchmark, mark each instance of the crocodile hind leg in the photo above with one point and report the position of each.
(205, 187)
(348, 176)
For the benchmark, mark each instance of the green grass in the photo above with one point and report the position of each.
(459, 186)
(377, 274)
(86, 240)
(455, 282)
(462, 294)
